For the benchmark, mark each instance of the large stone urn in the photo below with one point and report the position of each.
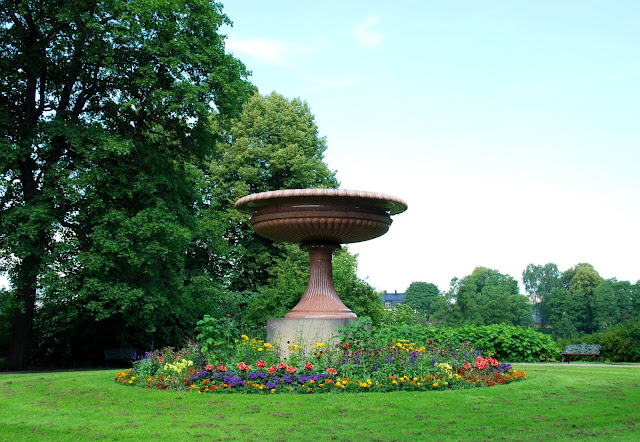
(320, 220)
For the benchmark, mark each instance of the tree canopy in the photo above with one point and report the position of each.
(423, 297)
(273, 144)
(486, 297)
(103, 106)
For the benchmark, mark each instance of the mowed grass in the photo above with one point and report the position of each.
(556, 402)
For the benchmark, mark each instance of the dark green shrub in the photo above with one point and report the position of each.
(504, 342)
(618, 344)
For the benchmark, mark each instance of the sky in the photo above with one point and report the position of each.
(511, 128)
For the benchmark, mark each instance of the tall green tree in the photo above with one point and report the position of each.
(423, 297)
(291, 273)
(95, 93)
(605, 305)
(539, 281)
(486, 297)
(274, 144)
(568, 314)
(582, 280)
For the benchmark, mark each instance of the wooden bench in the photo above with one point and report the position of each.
(580, 350)
(120, 354)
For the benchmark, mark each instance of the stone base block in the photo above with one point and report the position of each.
(281, 332)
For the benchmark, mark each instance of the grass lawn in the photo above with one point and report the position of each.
(556, 402)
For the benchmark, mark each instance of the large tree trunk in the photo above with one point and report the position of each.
(23, 315)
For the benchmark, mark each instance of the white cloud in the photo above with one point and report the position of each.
(268, 51)
(366, 34)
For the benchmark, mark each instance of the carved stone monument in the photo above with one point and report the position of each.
(319, 220)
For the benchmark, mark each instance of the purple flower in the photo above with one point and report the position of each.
(270, 385)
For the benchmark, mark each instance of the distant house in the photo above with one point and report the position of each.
(392, 299)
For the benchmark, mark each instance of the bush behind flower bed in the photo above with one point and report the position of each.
(504, 342)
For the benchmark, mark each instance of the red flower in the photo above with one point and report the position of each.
(228, 315)
(243, 367)
(261, 364)
(430, 342)
(272, 369)
(308, 366)
(331, 371)
(221, 368)
(291, 369)
(346, 345)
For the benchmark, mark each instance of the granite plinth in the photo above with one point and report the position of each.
(303, 331)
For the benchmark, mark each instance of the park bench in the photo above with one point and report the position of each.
(580, 350)
(119, 354)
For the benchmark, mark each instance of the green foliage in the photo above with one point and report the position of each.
(105, 116)
(485, 297)
(539, 282)
(274, 144)
(618, 344)
(504, 342)
(291, 274)
(423, 297)
(578, 301)
(216, 336)
(402, 314)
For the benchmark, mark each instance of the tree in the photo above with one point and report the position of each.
(291, 274)
(582, 281)
(567, 312)
(423, 297)
(94, 92)
(274, 144)
(486, 297)
(539, 282)
(605, 306)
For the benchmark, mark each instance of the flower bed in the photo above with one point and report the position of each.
(252, 366)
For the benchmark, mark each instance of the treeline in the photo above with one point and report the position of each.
(565, 304)
(127, 135)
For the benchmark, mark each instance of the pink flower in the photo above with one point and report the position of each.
(243, 367)
(272, 369)
(282, 365)
(492, 361)
(481, 364)
(209, 367)
(291, 369)
(331, 371)
(467, 366)
(261, 364)
(221, 368)
(308, 366)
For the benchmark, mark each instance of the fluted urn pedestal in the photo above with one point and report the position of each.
(320, 220)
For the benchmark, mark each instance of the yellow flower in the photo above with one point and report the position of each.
(245, 337)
